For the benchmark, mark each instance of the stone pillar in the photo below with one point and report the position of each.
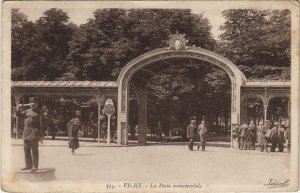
(289, 111)
(289, 127)
(244, 109)
(235, 104)
(146, 111)
(265, 103)
(237, 100)
(122, 110)
(142, 116)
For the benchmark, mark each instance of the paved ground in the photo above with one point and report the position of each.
(89, 142)
(172, 164)
(161, 163)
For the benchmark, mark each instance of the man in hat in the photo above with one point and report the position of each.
(244, 135)
(281, 136)
(32, 133)
(202, 130)
(191, 132)
(274, 136)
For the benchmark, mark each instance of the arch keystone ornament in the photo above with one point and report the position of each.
(177, 42)
(177, 49)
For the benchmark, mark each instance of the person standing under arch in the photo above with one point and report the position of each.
(252, 137)
(191, 130)
(244, 135)
(202, 131)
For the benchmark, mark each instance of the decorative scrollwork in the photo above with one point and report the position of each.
(253, 94)
(177, 41)
(279, 93)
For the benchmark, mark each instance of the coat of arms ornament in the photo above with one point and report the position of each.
(177, 41)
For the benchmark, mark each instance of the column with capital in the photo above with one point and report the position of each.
(141, 118)
(265, 112)
(289, 127)
(265, 103)
(98, 116)
(244, 109)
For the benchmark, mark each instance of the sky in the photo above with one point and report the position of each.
(81, 15)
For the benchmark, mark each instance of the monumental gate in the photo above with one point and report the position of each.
(241, 88)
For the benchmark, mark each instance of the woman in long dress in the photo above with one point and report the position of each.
(73, 128)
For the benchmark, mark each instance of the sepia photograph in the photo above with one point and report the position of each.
(150, 96)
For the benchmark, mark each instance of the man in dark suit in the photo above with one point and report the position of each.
(244, 135)
(191, 130)
(274, 136)
(281, 136)
(32, 133)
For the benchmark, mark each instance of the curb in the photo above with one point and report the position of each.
(94, 144)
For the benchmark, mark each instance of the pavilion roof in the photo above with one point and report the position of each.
(114, 84)
(65, 84)
(267, 83)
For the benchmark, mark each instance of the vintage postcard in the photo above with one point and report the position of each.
(150, 96)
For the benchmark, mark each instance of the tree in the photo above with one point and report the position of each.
(188, 88)
(39, 49)
(108, 41)
(54, 34)
(258, 41)
(100, 48)
(21, 40)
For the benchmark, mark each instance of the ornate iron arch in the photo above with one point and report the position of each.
(164, 53)
(177, 49)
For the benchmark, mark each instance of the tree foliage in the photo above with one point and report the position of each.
(39, 50)
(21, 43)
(101, 47)
(188, 89)
(258, 41)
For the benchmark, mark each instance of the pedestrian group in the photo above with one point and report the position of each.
(245, 136)
(194, 132)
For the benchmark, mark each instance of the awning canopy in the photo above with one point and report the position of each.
(64, 84)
